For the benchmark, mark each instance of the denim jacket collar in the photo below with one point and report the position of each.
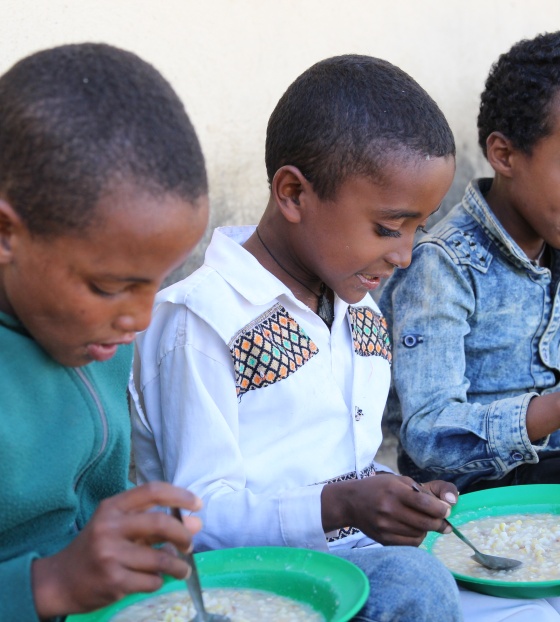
(475, 204)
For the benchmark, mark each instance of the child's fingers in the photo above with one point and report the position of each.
(145, 559)
(446, 491)
(132, 582)
(416, 523)
(426, 505)
(425, 501)
(142, 498)
(156, 527)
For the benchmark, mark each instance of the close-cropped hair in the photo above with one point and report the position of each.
(519, 92)
(76, 119)
(352, 115)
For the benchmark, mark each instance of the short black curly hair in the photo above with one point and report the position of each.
(76, 118)
(352, 115)
(519, 92)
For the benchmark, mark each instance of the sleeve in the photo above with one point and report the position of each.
(186, 429)
(16, 593)
(431, 304)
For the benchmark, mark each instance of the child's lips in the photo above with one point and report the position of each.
(105, 351)
(370, 281)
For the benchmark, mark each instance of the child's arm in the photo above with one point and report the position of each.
(543, 416)
(432, 303)
(188, 433)
(387, 508)
(113, 556)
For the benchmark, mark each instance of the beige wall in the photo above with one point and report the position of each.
(230, 60)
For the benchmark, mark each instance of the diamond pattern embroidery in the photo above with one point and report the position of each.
(370, 333)
(269, 349)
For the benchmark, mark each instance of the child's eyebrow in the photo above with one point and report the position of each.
(390, 214)
(125, 279)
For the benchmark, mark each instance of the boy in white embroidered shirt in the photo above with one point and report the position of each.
(261, 382)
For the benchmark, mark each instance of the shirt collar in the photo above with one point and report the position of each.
(226, 255)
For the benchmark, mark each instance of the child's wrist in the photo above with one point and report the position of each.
(336, 505)
(47, 595)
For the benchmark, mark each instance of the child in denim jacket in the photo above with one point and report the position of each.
(475, 319)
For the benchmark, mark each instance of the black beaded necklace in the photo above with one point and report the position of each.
(325, 308)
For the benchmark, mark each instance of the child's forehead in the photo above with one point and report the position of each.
(403, 168)
(127, 213)
(130, 199)
(128, 221)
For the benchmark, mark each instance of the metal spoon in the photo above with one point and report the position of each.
(493, 562)
(193, 585)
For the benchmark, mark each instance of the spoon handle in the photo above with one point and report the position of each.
(462, 537)
(193, 582)
(455, 531)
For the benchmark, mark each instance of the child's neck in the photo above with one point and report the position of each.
(316, 296)
(5, 306)
(504, 208)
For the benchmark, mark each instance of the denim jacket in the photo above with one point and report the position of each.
(476, 335)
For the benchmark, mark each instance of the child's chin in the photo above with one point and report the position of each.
(78, 358)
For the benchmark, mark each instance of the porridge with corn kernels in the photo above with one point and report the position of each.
(533, 539)
(241, 605)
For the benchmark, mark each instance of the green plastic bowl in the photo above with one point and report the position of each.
(530, 499)
(332, 586)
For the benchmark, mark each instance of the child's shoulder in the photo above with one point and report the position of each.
(201, 283)
(227, 266)
(209, 306)
(459, 236)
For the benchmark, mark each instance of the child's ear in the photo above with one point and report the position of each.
(289, 188)
(10, 222)
(499, 152)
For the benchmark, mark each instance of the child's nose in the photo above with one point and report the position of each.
(134, 320)
(400, 256)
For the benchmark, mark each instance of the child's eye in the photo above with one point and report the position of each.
(100, 292)
(422, 228)
(387, 233)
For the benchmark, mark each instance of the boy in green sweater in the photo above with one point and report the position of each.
(102, 193)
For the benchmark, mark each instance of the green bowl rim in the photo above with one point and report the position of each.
(501, 501)
(268, 555)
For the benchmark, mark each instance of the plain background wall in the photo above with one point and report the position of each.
(231, 60)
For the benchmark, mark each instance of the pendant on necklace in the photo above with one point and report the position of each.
(325, 308)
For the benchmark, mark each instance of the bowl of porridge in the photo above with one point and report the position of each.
(251, 585)
(520, 522)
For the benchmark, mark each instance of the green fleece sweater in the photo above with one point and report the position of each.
(64, 446)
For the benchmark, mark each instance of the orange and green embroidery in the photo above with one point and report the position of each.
(369, 333)
(268, 350)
